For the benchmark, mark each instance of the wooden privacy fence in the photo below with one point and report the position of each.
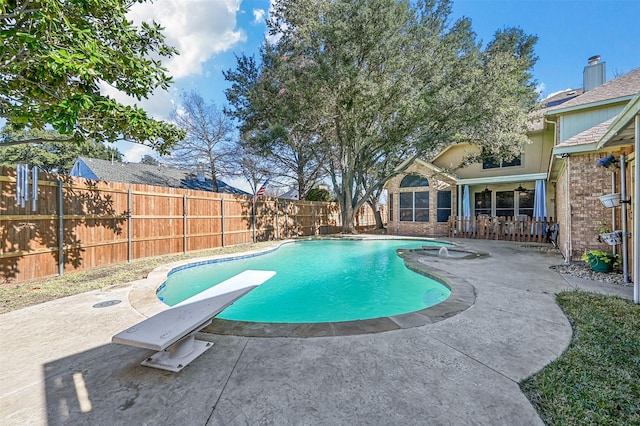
(79, 224)
(517, 228)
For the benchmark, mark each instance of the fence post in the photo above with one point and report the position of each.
(276, 233)
(313, 217)
(60, 230)
(253, 219)
(222, 219)
(129, 225)
(286, 219)
(184, 223)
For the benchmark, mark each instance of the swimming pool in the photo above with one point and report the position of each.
(318, 281)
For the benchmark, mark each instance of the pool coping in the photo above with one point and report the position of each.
(143, 298)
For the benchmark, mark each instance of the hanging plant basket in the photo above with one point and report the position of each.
(610, 200)
(612, 238)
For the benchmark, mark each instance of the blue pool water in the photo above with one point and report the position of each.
(318, 281)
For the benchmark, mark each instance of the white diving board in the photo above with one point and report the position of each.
(172, 332)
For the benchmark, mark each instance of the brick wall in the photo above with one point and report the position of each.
(437, 182)
(562, 212)
(586, 183)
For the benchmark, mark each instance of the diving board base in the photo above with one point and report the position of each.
(178, 355)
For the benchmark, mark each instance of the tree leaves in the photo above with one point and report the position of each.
(373, 84)
(57, 53)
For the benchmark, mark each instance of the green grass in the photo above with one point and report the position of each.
(15, 296)
(597, 380)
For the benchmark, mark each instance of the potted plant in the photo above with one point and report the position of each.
(600, 261)
(605, 235)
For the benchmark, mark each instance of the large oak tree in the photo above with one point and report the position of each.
(55, 56)
(380, 83)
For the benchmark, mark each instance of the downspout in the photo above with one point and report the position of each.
(636, 219)
(625, 201)
(613, 211)
(568, 214)
(569, 242)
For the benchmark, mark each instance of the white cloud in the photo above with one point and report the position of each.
(258, 16)
(197, 28)
(159, 105)
(133, 152)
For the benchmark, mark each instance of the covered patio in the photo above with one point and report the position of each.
(625, 130)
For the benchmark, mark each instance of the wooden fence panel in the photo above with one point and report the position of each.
(101, 223)
(519, 228)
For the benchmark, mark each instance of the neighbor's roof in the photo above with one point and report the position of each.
(146, 174)
(625, 86)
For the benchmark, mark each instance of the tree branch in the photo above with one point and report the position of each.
(34, 141)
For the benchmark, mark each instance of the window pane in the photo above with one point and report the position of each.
(422, 199)
(504, 203)
(517, 161)
(422, 215)
(526, 201)
(406, 215)
(443, 215)
(482, 203)
(410, 181)
(406, 200)
(444, 205)
(490, 163)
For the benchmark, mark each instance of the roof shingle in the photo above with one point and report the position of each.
(626, 85)
(147, 174)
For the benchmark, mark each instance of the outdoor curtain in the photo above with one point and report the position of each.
(540, 205)
(540, 200)
(466, 209)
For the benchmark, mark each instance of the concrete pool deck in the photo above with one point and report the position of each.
(59, 366)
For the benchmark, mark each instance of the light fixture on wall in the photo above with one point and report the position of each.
(521, 190)
(608, 162)
(486, 190)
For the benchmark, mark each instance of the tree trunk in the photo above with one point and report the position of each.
(345, 199)
(376, 214)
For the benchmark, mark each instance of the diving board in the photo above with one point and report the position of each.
(172, 332)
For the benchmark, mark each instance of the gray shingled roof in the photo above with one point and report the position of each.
(537, 117)
(626, 85)
(146, 174)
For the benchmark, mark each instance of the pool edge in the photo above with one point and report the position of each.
(143, 298)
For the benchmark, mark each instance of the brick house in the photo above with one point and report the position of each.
(572, 132)
(421, 200)
(579, 126)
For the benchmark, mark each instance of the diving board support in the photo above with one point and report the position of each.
(173, 332)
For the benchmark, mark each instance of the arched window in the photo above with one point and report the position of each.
(410, 181)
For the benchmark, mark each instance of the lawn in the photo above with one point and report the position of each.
(597, 380)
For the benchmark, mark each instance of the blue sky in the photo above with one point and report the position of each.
(209, 33)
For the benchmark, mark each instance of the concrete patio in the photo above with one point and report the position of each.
(59, 367)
